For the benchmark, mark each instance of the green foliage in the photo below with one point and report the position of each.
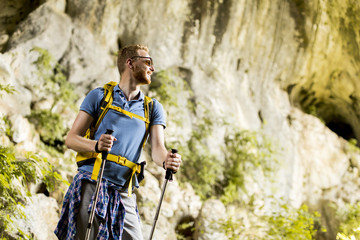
(201, 168)
(293, 224)
(47, 174)
(312, 110)
(353, 143)
(165, 87)
(185, 231)
(50, 127)
(7, 89)
(350, 222)
(246, 152)
(233, 228)
(5, 125)
(168, 87)
(55, 80)
(15, 175)
(49, 124)
(286, 223)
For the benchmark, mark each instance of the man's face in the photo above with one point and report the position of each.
(142, 67)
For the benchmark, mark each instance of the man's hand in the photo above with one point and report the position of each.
(105, 143)
(173, 161)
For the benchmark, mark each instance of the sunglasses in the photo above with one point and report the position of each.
(148, 62)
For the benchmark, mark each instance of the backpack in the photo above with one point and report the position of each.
(106, 104)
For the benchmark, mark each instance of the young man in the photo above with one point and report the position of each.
(116, 211)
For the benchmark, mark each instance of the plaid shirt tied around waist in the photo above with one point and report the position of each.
(109, 199)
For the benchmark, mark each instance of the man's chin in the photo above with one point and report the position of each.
(145, 81)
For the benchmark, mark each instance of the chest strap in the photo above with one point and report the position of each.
(129, 114)
(123, 161)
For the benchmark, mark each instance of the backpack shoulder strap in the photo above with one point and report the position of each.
(105, 103)
(148, 110)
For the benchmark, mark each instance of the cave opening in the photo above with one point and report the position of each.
(186, 228)
(336, 114)
(342, 129)
(43, 189)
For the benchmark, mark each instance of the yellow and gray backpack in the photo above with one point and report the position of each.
(106, 104)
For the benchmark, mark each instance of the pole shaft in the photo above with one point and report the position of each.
(97, 190)
(158, 209)
(93, 207)
(168, 176)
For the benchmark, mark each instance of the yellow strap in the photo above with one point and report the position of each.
(96, 168)
(109, 86)
(108, 90)
(147, 100)
(81, 156)
(130, 114)
(123, 161)
(136, 168)
(130, 182)
(104, 112)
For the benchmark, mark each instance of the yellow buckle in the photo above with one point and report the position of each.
(120, 160)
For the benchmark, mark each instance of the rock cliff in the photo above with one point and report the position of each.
(288, 69)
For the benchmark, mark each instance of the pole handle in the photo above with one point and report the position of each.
(105, 153)
(170, 172)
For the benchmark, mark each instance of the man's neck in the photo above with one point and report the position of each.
(131, 91)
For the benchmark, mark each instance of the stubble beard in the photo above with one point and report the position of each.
(142, 77)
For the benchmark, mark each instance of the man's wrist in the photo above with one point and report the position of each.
(97, 147)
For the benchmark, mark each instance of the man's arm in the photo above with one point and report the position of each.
(75, 138)
(158, 151)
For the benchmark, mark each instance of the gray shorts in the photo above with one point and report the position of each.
(132, 228)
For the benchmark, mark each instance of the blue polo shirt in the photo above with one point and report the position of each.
(129, 132)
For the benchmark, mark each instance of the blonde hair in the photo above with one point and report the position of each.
(126, 53)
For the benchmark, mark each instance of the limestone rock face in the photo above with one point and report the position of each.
(211, 211)
(287, 68)
(41, 217)
(39, 30)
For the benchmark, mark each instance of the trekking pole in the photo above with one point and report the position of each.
(168, 176)
(97, 190)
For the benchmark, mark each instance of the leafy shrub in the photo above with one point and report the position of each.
(48, 123)
(169, 88)
(165, 87)
(55, 82)
(350, 222)
(15, 175)
(287, 223)
(202, 169)
(5, 126)
(293, 224)
(50, 127)
(209, 175)
(7, 89)
(233, 228)
(246, 152)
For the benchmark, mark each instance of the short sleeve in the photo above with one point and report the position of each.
(158, 115)
(92, 101)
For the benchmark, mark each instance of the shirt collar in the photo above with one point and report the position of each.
(118, 89)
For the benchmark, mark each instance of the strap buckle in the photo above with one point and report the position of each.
(121, 160)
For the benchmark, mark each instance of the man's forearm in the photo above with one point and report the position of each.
(80, 144)
(159, 155)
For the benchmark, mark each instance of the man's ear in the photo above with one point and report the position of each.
(129, 63)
